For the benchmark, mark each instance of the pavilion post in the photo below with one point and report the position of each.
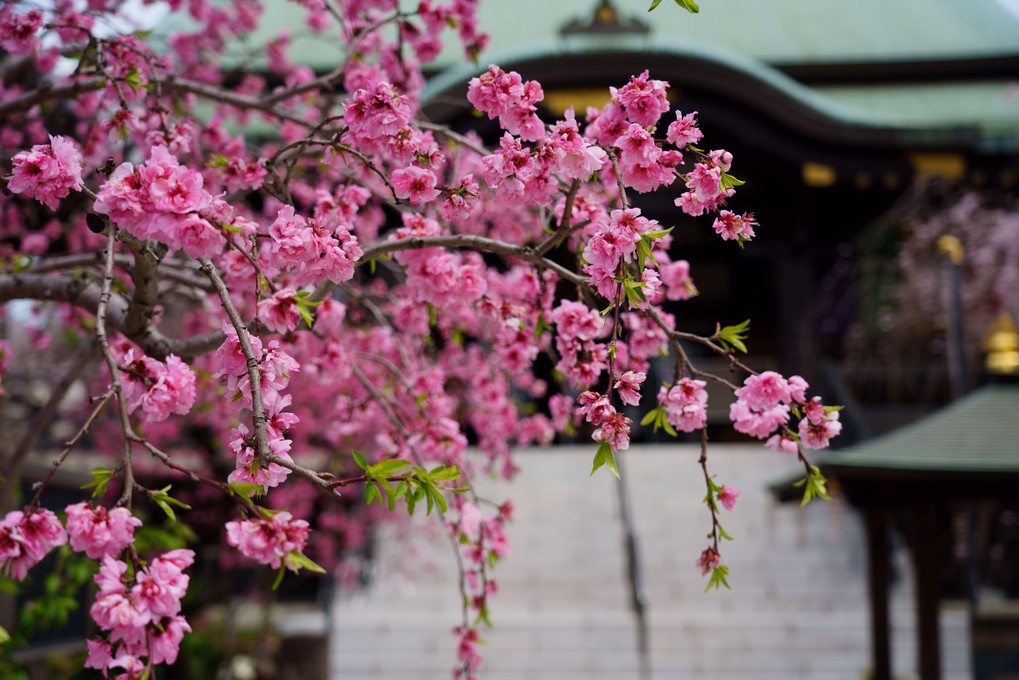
(927, 572)
(877, 582)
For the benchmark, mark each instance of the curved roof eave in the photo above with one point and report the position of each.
(811, 104)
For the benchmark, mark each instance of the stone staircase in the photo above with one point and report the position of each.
(797, 608)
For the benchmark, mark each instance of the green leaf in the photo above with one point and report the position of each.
(660, 233)
(815, 486)
(388, 468)
(610, 463)
(306, 315)
(651, 416)
(689, 6)
(540, 326)
(730, 181)
(296, 560)
(734, 335)
(100, 479)
(642, 253)
(279, 577)
(217, 161)
(433, 492)
(444, 474)
(717, 579)
(4, 635)
(246, 489)
(654, 4)
(163, 499)
(599, 457)
(359, 459)
(604, 457)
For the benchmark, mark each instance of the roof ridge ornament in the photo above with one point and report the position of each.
(605, 20)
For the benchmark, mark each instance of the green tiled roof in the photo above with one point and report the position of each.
(783, 31)
(751, 36)
(843, 112)
(977, 434)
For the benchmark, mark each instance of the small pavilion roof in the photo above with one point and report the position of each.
(977, 436)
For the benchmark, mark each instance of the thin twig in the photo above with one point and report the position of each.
(40, 485)
(254, 374)
(111, 364)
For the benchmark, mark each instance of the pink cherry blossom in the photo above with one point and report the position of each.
(677, 280)
(629, 387)
(684, 130)
(764, 391)
(731, 226)
(280, 312)
(48, 172)
(268, 541)
(98, 531)
(595, 407)
(615, 430)
(470, 519)
(643, 99)
(817, 435)
(377, 111)
(727, 496)
(798, 389)
(416, 184)
(18, 31)
(26, 539)
(709, 560)
(686, 404)
(158, 388)
(814, 411)
(781, 443)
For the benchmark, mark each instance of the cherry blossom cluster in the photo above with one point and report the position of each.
(158, 388)
(48, 172)
(763, 406)
(275, 368)
(482, 542)
(140, 612)
(311, 248)
(581, 357)
(26, 538)
(686, 404)
(613, 427)
(268, 541)
(100, 532)
(167, 202)
(393, 283)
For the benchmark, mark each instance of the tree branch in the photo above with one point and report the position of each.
(81, 292)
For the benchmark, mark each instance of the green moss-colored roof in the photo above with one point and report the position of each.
(784, 31)
(977, 434)
(751, 36)
(842, 112)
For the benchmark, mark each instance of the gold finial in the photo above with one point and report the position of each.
(605, 14)
(952, 247)
(1002, 346)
